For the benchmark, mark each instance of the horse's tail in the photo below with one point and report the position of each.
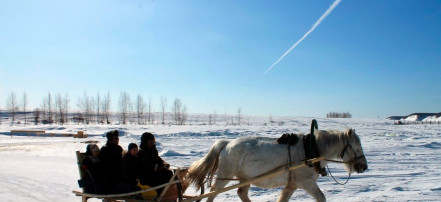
(206, 165)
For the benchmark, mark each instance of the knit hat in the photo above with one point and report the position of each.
(132, 146)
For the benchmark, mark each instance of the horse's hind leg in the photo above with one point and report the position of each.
(287, 193)
(312, 188)
(219, 184)
(243, 193)
(225, 170)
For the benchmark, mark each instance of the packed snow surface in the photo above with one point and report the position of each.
(404, 160)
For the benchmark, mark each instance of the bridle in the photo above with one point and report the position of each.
(352, 161)
(355, 159)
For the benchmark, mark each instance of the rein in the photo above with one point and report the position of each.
(347, 180)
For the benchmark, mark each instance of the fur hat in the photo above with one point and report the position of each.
(147, 136)
(111, 134)
(132, 146)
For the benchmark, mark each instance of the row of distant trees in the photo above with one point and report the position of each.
(339, 115)
(95, 109)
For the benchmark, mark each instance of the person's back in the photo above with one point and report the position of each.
(131, 168)
(154, 171)
(150, 160)
(111, 158)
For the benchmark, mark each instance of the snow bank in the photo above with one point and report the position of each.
(412, 118)
(432, 118)
(170, 153)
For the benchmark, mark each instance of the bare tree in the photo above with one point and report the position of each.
(49, 108)
(184, 115)
(25, 104)
(140, 109)
(85, 106)
(150, 112)
(131, 113)
(62, 105)
(81, 110)
(163, 107)
(98, 108)
(92, 114)
(179, 112)
(44, 108)
(176, 109)
(65, 108)
(37, 114)
(106, 108)
(239, 115)
(12, 106)
(58, 106)
(124, 107)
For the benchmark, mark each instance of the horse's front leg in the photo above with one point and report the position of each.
(287, 192)
(313, 189)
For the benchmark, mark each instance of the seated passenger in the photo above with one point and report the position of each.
(131, 168)
(111, 157)
(92, 180)
(154, 171)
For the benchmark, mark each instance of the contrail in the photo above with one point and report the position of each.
(330, 9)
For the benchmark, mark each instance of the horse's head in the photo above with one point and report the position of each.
(353, 154)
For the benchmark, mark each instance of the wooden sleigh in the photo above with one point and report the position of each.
(175, 189)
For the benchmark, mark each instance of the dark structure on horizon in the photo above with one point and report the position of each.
(420, 116)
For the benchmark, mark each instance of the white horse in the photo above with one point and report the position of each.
(246, 158)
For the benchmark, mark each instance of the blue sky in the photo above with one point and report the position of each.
(371, 58)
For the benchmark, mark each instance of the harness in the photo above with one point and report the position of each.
(310, 147)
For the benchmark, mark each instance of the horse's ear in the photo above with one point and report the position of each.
(351, 132)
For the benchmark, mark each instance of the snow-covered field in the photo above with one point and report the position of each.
(404, 160)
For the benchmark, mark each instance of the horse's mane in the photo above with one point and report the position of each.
(331, 141)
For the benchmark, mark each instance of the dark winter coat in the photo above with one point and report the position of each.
(153, 171)
(131, 169)
(111, 158)
(92, 167)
